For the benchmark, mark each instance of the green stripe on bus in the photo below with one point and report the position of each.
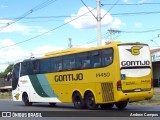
(37, 86)
(45, 85)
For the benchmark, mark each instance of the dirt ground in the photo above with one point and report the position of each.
(157, 89)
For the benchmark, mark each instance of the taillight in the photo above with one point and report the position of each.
(119, 85)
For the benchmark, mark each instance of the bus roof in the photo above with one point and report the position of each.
(77, 50)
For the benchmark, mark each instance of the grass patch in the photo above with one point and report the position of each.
(5, 95)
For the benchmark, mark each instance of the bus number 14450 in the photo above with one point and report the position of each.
(103, 74)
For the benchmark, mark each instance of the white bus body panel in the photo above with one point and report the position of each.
(24, 85)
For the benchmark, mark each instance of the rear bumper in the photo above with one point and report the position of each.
(134, 96)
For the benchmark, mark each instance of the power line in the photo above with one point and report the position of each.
(89, 9)
(38, 7)
(135, 13)
(39, 17)
(132, 4)
(143, 31)
(46, 32)
(155, 43)
(110, 9)
(64, 16)
(152, 38)
(90, 41)
(77, 18)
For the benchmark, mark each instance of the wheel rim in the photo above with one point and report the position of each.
(78, 101)
(26, 100)
(90, 101)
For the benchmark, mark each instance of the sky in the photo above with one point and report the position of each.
(33, 28)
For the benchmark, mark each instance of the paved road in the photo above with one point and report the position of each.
(9, 105)
(68, 110)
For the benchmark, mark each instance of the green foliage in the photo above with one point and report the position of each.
(7, 70)
(2, 75)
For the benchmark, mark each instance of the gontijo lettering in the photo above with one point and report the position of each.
(135, 63)
(68, 77)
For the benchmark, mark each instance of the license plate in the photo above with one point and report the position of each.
(137, 90)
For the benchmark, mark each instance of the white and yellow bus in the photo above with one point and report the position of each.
(109, 75)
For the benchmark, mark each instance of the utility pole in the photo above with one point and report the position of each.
(99, 39)
(113, 32)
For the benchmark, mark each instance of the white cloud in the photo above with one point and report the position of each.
(18, 27)
(40, 51)
(88, 20)
(116, 23)
(13, 54)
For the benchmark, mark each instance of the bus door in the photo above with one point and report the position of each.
(135, 67)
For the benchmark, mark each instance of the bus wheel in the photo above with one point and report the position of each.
(26, 100)
(107, 106)
(78, 101)
(52, 104)
(90, 101)
(121, 105)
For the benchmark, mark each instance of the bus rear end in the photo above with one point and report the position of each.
(135, 82)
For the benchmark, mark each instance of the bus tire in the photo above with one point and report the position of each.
(90, 101)
(25, 99)
(107, 106)
(78, 101)
(121, 105)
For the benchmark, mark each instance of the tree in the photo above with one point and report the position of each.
(7, 70)
(2, 74)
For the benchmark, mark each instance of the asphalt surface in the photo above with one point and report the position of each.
(9, 105)
(68, 111)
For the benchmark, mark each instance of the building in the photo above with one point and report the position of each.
(155, 55)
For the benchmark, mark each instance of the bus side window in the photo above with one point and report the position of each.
(57, 64)
(45, 65)
(34, 67)
(69, 62)
(107, 57)
(96, 59)
(83, 61)
(29, 68)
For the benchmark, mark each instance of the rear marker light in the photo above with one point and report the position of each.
(119, 85)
